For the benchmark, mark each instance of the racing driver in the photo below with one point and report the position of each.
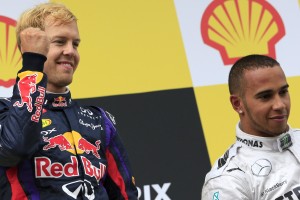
(264, 162)
(50, 146)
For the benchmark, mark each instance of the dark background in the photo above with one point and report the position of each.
(164, 139)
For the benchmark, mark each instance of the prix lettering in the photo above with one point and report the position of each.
(161, 191)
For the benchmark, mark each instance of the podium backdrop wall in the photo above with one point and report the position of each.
(161, 68)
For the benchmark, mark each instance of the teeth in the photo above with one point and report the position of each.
(66, 64)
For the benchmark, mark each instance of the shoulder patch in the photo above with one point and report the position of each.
(111, 117)
(108, 117)
(221, 164)
(222, 161)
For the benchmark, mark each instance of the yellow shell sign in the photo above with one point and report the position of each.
(239, 28)
(10, 56)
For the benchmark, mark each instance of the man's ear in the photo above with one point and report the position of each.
(236, 103)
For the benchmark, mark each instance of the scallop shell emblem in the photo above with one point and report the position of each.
(10, 56)
(240, 27)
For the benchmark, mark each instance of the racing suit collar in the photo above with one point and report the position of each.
(278, 143)
(57, 101)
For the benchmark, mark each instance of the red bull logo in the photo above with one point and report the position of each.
(71, 140)
(39, 101)
(59, 102)
(65, 142)
(88, 147)
(59, 141)
(45, 168)
(92, 170)
(26, 86)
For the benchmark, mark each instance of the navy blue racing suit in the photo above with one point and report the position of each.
(53, 148)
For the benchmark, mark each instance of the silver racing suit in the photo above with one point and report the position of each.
(257, 168)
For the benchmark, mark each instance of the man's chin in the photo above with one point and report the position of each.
(280, 131)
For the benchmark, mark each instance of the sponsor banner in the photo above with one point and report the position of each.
(217, 33)
(128, 47)
(164, 79)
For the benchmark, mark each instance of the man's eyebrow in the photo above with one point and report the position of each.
(270, 91)
(285, 86)
(263, 93)
(64, 37)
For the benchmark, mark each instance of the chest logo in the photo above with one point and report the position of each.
(261, 167)
(72, 142)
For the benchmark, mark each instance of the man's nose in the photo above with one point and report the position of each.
(69, 49)
(278, 103)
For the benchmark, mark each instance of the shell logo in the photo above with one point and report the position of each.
(10, 56)
(240, 27)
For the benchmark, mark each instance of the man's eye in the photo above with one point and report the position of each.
(265, 96)
(59, 42)
(283, 92)
(76, 45)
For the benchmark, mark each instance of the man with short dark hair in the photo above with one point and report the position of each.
(264, 162)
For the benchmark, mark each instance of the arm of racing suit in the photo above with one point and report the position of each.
(119, 182)
(20, 123)
(226, 187)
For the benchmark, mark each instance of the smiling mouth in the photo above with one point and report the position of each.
(279, 118)
(67, 64)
